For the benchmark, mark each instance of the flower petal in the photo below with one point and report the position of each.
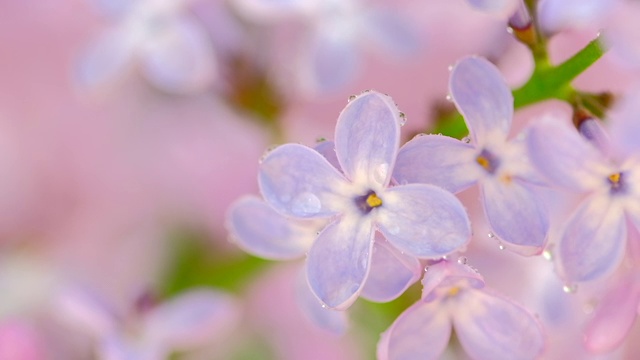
(483, 98)
(492, 327)
(260, 230)
(516, 215)
(328, 63)
(493, 5)
(106, 58)
(339, 261)
(190, 319)
(420, 332)
(593, 241)
(392, 31)
(613, 318)
(331, 320)
(328, 150)
(445, 274)
(179, 57)
(423, 220)
(367, 138)
(437, 160)
(391, 273)
(592, 130)
(87, 311)
(299, 182)
(564, 157)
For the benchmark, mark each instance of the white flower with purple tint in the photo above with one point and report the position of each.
(174, 50)
(421, 220)
(593, 239)
(500, 167)
(151, 330)
(488, 326)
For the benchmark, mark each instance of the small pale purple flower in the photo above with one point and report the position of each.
(421, 220)
(151, 331)
(258, 229)
(488, 326)
(174, 50)
(593, 239)
(515, 214)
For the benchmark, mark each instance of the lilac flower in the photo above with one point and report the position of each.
(152, 331)
(336, 31)
(173, 48)
(258, 229)
(593, 240)
(421, 220)
(499, 166)
(614, 316)
(487, 325)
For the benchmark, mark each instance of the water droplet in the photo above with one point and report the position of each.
(403, 118)
(570, 288)
(306, 204)
(351, 98)
(509, 29)
(445, 257)
(419, 135)
(450, 67)
(466, 139)
(324, 306)
(266, 153)
(501, 246)
(462, 260)
(491, 235)
(380, 173)
(547, 254)
(426, 268)
(448, 97)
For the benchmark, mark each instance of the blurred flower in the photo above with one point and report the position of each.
(335, 31)
(173, 48)
(422, 220)
(592, 243)
(151, 330)
(512, 209)
(487, 325)
(19, 340)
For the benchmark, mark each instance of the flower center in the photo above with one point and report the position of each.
(616, 182)
(367, 202)
(453, 291)
(487, 161)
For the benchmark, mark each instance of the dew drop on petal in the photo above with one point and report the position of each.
(403, 118)
(380, 173)
(509, 29)
(501, 246)
(462, 260)
(426, 268)
(324, 306)
(450, 67)
(570, 288)
(351, 98)
(306, 204)
(491, 235)
(466, 139)
(449, 98)
(547, 254)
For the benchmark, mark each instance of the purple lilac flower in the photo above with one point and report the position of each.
(151, 331)
(593, 239)
(498, 166)
(421, 220)
(173, 48)
(487, 325)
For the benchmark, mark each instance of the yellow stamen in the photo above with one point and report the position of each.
(373, 200)
(453, 291)
(483, 161)
(614, 178)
